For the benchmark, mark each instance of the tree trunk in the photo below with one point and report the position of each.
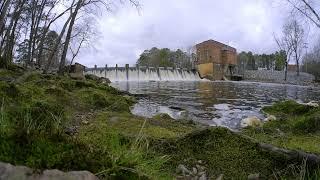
(43, 36)
(297, 62)
(3, 14)
(286, 71)
(58, 41)
(66, 44)
(38, 19)
(10, 33)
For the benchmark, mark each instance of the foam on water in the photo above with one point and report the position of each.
(149, 74)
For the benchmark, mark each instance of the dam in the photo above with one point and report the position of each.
(137, 73)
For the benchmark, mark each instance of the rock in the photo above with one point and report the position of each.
(200, 161)
(180, 178)
(104, 80)
(183, 115)
(201, 173)
(251, 121)
(220, 177)
(8, 171)
(176, 108)
(76, 76)
(311, 104)
(253, 177)
(85, 122)
(270, 118)
(71, 130)
(200, 168)
(181, 169)
(194, 171)
(203, 177)
(280, 133)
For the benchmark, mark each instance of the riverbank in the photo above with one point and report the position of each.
(56, 122)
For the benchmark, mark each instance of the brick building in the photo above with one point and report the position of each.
(215, 60)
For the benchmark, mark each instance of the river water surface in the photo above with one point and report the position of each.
(217, 103)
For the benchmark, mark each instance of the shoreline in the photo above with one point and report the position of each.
(109, 141)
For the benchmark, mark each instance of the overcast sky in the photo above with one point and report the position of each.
(244, 24)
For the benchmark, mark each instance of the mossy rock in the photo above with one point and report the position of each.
(163, 116)
(287, 108)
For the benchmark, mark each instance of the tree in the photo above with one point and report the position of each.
(251, 65)
(295, 34)
(165, 58)
(285, 45)
(23, 52)
(307, 9)
(3, 14)
(280, 60)
(29, 21)
(68, 37)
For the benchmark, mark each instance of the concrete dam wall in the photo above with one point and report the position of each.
(144, 74)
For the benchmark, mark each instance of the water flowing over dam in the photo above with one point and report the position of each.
(144, 74)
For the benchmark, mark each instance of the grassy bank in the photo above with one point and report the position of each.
(50, 121)
(297, 127)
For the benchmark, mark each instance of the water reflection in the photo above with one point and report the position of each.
(214, 103)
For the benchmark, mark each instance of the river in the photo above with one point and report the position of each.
(219, 103)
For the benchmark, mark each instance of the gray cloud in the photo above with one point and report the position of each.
(245, 24)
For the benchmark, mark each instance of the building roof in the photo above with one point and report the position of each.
(225, 47)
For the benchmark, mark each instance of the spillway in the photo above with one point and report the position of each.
(145, 74)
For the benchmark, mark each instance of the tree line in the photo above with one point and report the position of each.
(28, 34)
(250, 61)
(166, 58)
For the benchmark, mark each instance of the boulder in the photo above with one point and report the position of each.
(181, 169)
(311, 104)
(251, 121)
(254, 177)
(8, 171)
(270, 118)
(77, 76)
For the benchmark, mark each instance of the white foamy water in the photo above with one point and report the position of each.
(148, 74)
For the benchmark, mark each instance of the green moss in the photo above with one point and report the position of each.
(287, 108)
(223, 152)
(297, 127)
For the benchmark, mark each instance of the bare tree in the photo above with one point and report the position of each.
(308, 9)
(295, 34)
(24, 25)
(284, 45)
(66, 43)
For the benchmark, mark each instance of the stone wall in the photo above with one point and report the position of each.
(278, 77)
